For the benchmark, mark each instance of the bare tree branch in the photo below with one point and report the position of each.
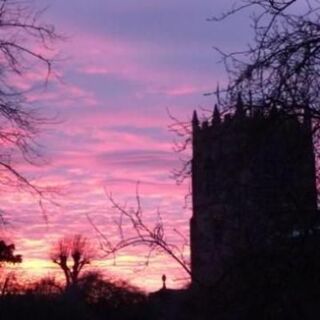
(141, 234)
(26, 45)
(72, 254)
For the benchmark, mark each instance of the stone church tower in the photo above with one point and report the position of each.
(253, 182)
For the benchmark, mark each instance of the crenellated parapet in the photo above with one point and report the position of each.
(251, 170)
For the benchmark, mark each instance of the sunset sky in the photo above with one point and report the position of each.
(124, 64)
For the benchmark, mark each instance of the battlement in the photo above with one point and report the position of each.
(248, 116)
(252, 172)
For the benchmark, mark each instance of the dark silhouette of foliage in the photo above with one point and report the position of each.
(97, 299)
(7, 254)
(114, 294)
(48, 287)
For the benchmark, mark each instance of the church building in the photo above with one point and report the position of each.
(253, 184)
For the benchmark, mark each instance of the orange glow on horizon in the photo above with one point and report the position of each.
(129, 268)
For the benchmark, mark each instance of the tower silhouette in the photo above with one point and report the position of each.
(253, 184)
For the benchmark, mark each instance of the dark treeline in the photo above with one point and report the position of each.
(93, 298)
(88, 295)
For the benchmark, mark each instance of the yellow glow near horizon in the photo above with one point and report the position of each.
(126, 269)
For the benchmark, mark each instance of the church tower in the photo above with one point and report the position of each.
(253, 182)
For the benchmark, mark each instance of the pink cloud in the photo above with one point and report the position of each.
(109, 55)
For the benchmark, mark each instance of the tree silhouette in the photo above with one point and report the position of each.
(47, 286)
(7, 254)
(135, 230)
(98, 290)
(25, 47)
(280, 68)
(72, 254)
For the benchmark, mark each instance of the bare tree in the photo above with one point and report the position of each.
(26, 47)
(47, 286)
(10, 284)
(280, 68)
(72, 254)
(134, 230)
